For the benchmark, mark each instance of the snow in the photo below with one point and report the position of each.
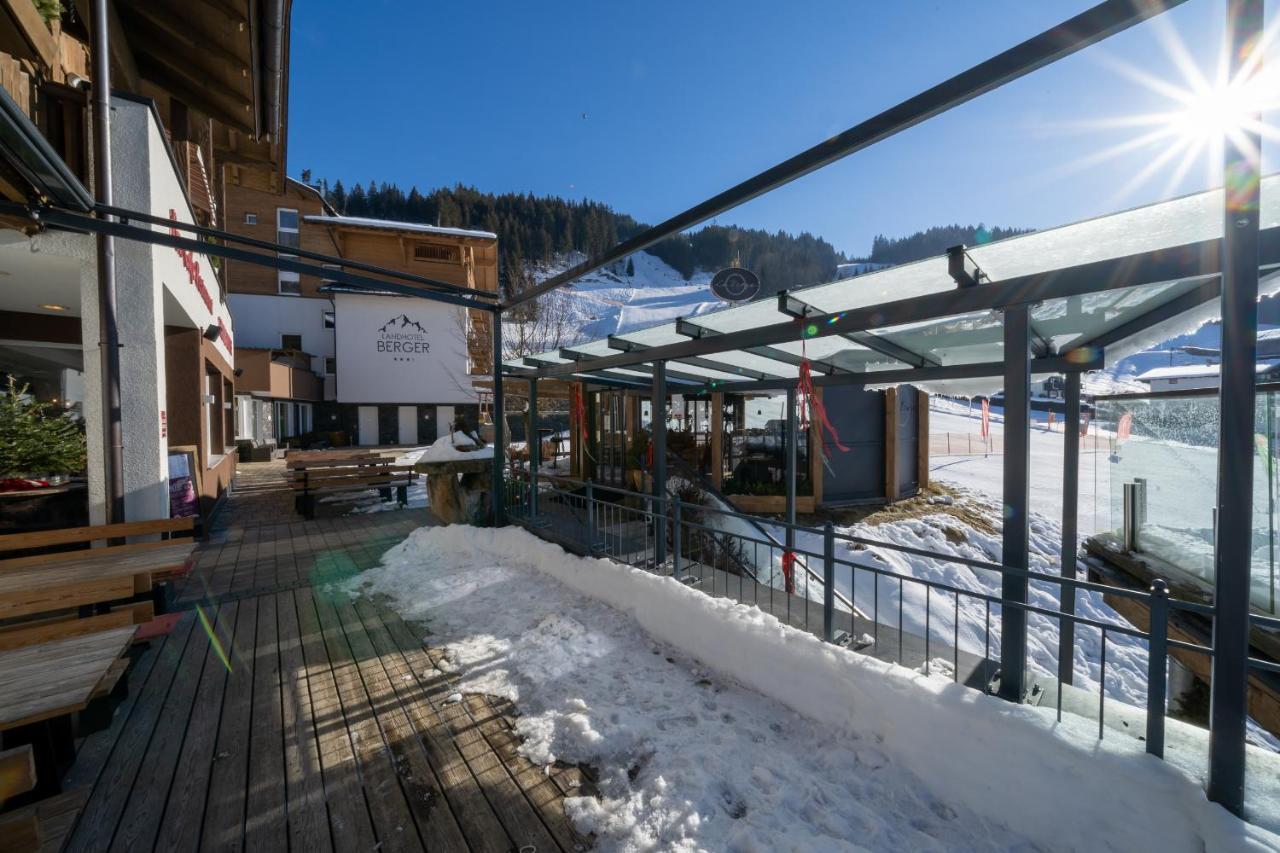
(447, 448)
(609, 302)
(716, 727)
(363, 222)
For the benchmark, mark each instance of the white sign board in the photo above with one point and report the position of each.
(398, 349)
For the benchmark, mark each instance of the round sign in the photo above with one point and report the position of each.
(735, 284)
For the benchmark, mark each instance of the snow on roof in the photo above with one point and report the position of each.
(1185, 371)
(392, 225)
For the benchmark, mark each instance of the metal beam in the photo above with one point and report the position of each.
(692, 330)
(1089, 27)
(794, 306)
(1232, 559)
(496, 496)
(1015, 531)
(77, 222)
(1070, 516)
(658, 438)
(1175, 263)
(624, 345)
(582, 358)
(792, 441)
(533, 441)
(293, 251)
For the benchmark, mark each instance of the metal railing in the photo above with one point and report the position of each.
(856, 602)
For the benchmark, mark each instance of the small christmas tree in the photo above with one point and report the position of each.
(631, 268)
(34, 439)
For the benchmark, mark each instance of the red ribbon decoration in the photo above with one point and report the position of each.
(788, 571)
(809, 402)
(580, 413)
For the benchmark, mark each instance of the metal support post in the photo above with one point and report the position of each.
(658, 424)
(1232, 557)
(828, 582)
(792, 427)
(1070, 511)
(1157, 667)
(534, 442)
(675, 538)
(109, 330)
(1017, 498)
(499, 437)
(591, 516)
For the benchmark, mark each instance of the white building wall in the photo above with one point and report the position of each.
(261, 320)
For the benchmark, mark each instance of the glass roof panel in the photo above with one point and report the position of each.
(967, 339)
(976, 337)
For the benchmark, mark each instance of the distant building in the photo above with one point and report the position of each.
(1192, 377)
(332, 362)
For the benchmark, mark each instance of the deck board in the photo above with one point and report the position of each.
(328, 727)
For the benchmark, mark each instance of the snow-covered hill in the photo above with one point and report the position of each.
(609, 301)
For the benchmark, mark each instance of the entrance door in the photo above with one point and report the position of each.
(388, 424)
(408, 424)
(444, 420)
(368, 423)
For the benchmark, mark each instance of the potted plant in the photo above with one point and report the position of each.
(39, 445)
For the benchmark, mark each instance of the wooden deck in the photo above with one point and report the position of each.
(278, 717)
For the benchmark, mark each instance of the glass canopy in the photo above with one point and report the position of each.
(1112, 321)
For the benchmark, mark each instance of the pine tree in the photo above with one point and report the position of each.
(631, 268)
(35, 438)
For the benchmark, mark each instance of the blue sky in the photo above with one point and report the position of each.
(652, 107)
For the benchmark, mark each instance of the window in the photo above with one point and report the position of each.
(330, 366)
(251, 219)
(435, 252)
(288, 283)
(287, 227)
(329, 320)
(291, 342)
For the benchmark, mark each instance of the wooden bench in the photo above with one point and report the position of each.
(313, 478)
(44, 596)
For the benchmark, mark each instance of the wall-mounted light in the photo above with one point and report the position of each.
(50, 306)
(238, 372)
(963, 271)
(213, 332)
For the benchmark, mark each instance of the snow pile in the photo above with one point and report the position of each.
(452, 448)
(715, 727)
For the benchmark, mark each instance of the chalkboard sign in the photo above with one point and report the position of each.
(184, 483)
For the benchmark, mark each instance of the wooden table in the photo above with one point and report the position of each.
(56, 678)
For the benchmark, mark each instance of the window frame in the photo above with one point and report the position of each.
(285, 346)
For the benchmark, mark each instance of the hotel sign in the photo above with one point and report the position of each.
(401, 350)
(402, 338)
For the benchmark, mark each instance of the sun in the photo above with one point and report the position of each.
(1206, 109)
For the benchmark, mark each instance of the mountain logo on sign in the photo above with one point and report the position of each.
(403, 322)
(403, 339)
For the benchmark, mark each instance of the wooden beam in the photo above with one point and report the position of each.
(17, 771)
(891, 444)
(193, 92)
(158, 24)
(33, 30)
(123, 62)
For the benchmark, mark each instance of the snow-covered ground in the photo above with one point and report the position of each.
(715, 727)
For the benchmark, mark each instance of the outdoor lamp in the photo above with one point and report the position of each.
(212, 332)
